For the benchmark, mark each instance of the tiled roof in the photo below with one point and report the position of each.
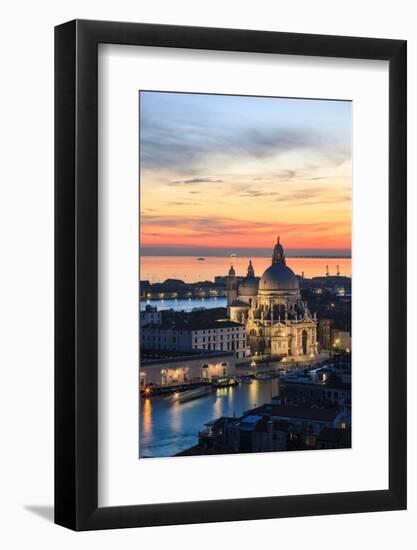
(192, 324)
(289, 411)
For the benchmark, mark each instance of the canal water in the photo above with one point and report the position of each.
(185, 304)
(167, 427)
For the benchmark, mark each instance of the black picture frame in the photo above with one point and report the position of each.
(76, 273)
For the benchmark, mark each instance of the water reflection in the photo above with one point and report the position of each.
(167, 426)
(147, 416)
(176, 417)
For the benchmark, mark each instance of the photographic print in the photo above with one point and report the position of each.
(245, 274)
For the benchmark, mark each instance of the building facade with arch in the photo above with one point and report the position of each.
(198, 367)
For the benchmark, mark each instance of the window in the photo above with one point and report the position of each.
(310, 441)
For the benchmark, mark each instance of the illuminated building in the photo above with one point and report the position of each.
(278, 322)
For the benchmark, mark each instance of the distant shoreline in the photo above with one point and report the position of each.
(322, 257)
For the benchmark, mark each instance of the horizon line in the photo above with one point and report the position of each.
(322, 253)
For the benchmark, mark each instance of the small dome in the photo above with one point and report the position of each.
(278, 277)
(249, 286)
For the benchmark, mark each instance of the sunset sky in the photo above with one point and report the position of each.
(227, 174)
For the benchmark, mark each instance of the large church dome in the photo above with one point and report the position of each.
(278, 276)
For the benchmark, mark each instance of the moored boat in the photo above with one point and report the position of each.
(263, 376)
(224, 382)
(193, 393)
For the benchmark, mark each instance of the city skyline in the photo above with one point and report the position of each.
(226, 174)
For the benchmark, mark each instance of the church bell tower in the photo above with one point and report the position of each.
(231, 286)
(251, 271)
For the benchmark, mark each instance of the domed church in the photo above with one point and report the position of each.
(278, 322)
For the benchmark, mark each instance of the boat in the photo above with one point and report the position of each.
(263, 376)
(193, 393)
(233, 255)
(224, 382)
(200, 259)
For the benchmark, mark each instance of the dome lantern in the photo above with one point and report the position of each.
(278, 255)
(278, 276)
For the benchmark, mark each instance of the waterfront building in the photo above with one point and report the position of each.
(325, 333)
(187, 333)
(274, 428)
(183, 369)
(249, 434)
(317, 387)
(255, 433)
(178, 289)
(150, 316)
(278, 322)
(306, 422)
(341, 340)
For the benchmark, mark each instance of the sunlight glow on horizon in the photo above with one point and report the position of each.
(228, 173)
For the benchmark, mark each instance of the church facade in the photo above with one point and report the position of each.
(278, 322)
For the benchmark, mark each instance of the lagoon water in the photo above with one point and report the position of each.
(168, 427)
(190, 270)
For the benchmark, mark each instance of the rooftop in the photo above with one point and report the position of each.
(184, 356)
(239, 303)
(330, 383)
(289, 411)
(250, 423)
(193, 324)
